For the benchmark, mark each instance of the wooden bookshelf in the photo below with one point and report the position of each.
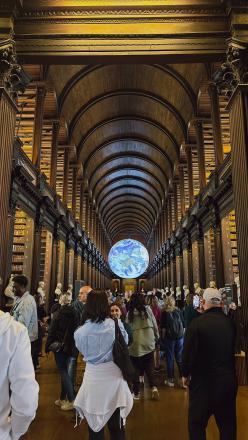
(209, 250)
(229, 243)
(22, 250)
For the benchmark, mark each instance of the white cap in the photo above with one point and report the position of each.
(212, 295)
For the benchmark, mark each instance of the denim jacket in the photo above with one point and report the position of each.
(95, 340)
(25, 311)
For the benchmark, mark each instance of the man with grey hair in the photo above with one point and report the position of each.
(209, 369)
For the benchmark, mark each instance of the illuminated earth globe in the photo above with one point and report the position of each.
(128, 258)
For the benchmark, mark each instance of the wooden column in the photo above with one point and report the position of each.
(8, 112)
(182, 191)
(220, 280)
(66, 175)
(75, 266)
(190, 173)
(35, 278)
(238, 107)
(92, 272)
(54, 270)
(168, 272)
(54, 154)
(181, 269)
(216, 122)
(38, 124)
(89, 270)
(174, 272)
(200, 154)
(190, 266)
(201, 256)
(66, 270)
(85, 267)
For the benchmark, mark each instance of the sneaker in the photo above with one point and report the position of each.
(67, 406)
(169, 383)
(136, 396)
(60, 402)
(155, 394)
(182, 386)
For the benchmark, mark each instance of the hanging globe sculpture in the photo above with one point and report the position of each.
(128, 258)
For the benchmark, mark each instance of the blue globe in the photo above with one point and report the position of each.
(128, 258)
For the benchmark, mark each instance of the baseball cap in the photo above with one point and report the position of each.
(212, 295)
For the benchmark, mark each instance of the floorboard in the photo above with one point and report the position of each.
(149, 420)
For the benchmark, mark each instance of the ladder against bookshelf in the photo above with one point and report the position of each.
(209, 251)
(22, 250)
(229, 243)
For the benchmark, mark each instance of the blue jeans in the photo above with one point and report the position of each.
(72, 371)
(173, 349)
(62, 362)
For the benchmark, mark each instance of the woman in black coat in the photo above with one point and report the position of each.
(60, 340)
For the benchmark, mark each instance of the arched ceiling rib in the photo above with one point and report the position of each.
(131, 148)
(145, 205)
(126, 190)
(126, 216)
(128, 122)
(139, 182)
(128, 161)
(127, 92)
(132, 209)
(119, 122)
(124, 226)
(87, 70)
(127, 172)
(129, 191)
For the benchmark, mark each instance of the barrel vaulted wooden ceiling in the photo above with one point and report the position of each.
(127, 76)
(128, 122)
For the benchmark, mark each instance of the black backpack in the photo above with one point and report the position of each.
(174, 325)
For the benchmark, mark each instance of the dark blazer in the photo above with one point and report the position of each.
(209, 346)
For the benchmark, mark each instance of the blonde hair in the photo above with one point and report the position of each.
(169, 304)
(64, 299)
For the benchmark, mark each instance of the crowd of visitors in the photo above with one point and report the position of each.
(141, 328)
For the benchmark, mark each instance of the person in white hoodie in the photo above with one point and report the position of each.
(19, 389)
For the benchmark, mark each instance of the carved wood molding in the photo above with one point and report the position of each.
(234, 70)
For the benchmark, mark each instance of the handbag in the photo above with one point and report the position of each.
(56, 346)
(121, 355)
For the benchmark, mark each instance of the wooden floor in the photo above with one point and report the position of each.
(149, 420)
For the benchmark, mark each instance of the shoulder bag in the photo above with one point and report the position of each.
(121, 355)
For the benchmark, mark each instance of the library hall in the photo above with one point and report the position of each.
(124, 219)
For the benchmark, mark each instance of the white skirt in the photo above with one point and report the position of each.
(103, 391)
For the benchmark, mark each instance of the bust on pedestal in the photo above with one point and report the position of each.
(58, 291)
(41, 292)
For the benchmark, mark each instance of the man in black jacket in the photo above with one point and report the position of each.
(209, 369)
